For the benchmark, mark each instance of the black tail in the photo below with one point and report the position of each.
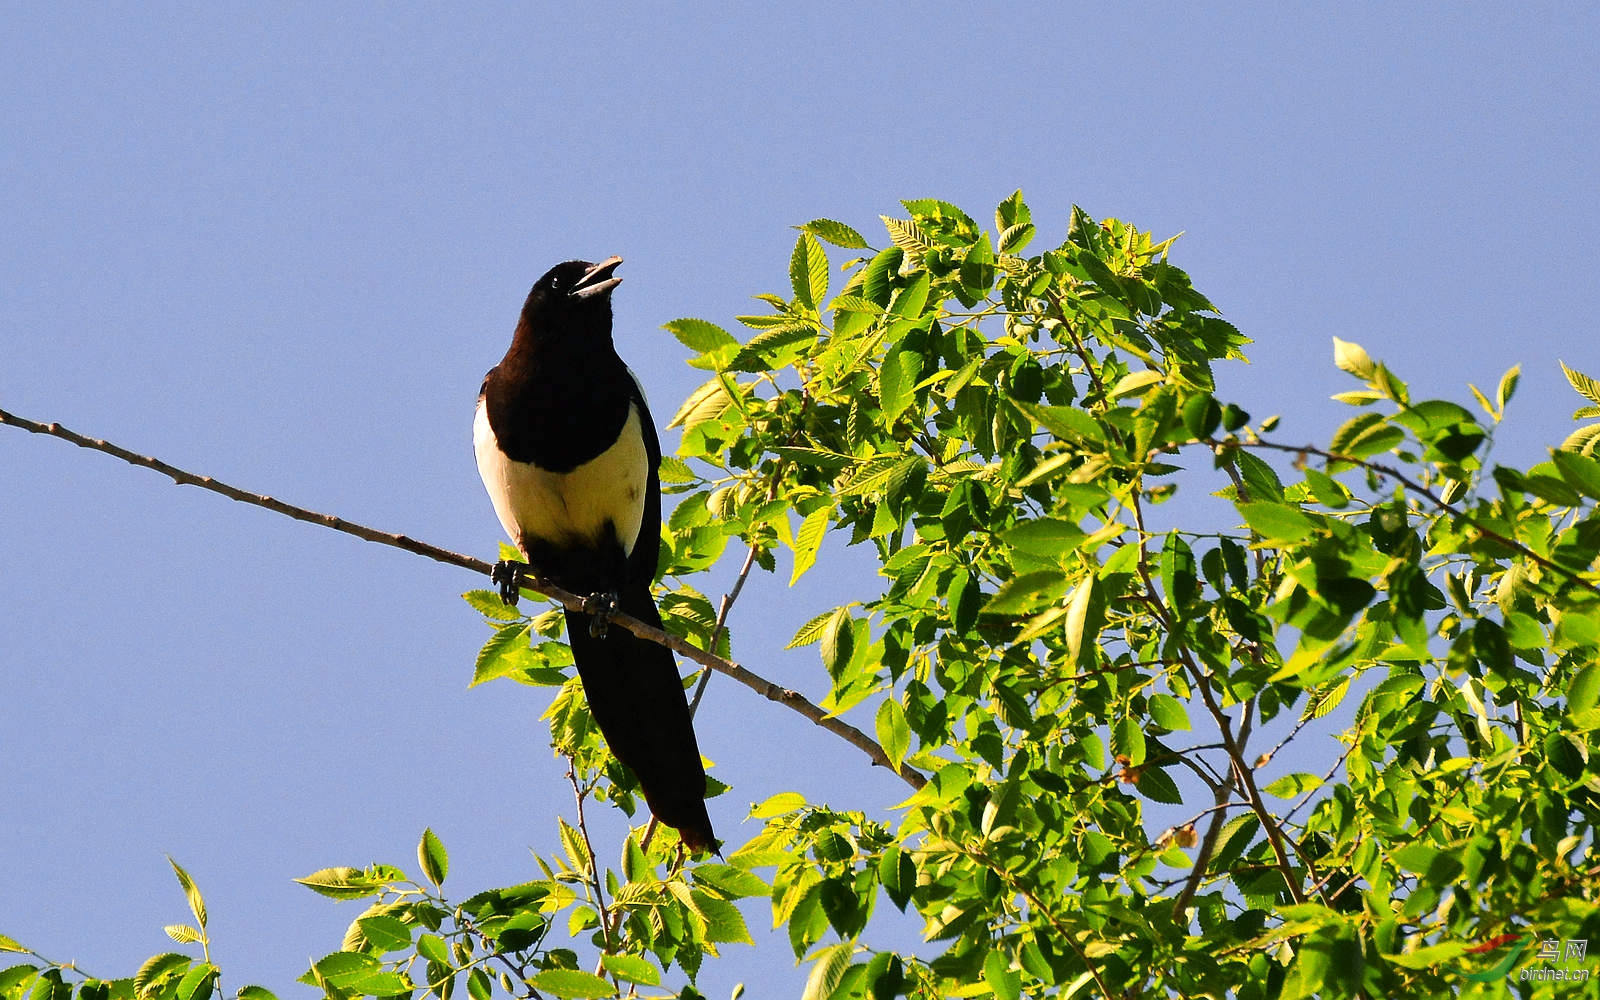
(636, 695)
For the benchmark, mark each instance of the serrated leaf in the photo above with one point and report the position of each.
(908, 236)
(1134, 383)
(708, 402)
(778, 805)
(808, 540)
(1587, 387)
(489, 604)
(1292, 785)
(197, 904)
(808, 271)
(1354, 359)
(837, 233)
(1364, 435)
(827, 970)
(157, 967)
(894, 735)
(571, 984)
(1277, 521)
(1326, 699)
(182, 933)
(897, 382)
(340, 883)
(254, 992)
(1580, 471)
(197, 983)
(1168, 712)
(632, 968)
(1583, 440)
(699, 335)
(1015, 238)
(1508, 385)
(811, 631)
(1028, 593)
(432, 857)
(1085, 616)
(505, 653)
(384, 932)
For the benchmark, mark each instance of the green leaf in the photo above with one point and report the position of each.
(1291, 785)
(780, 804)
(1583, 693)
(571, 984)
(197, 983)
(811, 631)
(1065, 422)
(699, 335)
(431, 855)
(1508, 386)
(897, 382)
(489, 604)
(384, 932)
(158, 967)
(256, 993)
(898, 874)
(1085, 618)
(807, 542)
(837, 233)
(827, 970)
(1127, 741)
(182, 933)
(894, 735)
(1004, 981)
(1277, 521)
(808, 271)
(1047, 537)
(1367, 434)
(1587, 387)
(1028, 593)
(340, 883)
(1137, 383)
(838, 641)
(1168, 712)
(632, 968)
(197, 904)
(1354, 359)
(724, 923)
(730, 882)
(1581, 472)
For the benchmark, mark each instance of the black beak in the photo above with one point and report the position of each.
(598, 280)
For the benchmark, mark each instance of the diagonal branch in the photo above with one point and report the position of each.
(767, 689)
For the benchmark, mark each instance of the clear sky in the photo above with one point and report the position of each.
(281, 246)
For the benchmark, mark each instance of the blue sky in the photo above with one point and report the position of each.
(281, 247)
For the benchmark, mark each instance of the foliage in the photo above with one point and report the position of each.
(1101, 683)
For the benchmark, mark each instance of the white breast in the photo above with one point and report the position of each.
(572, 508)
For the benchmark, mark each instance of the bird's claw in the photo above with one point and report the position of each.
(600, 607)
(506, 574)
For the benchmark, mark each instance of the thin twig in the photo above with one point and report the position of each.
(767, 689)
(593, 874)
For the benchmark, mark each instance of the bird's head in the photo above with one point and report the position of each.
(572, 297)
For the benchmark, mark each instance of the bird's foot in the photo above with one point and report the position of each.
(600, 607)
(506, 574)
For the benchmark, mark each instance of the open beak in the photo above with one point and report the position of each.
(598, 280)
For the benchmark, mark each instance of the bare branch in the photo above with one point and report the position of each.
(565, 598)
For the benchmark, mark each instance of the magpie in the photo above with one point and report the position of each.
(569, 454)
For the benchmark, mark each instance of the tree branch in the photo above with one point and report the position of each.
(767, 689)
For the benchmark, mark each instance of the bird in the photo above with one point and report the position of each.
(568, 452)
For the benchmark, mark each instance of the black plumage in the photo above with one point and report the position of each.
(568, 451)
